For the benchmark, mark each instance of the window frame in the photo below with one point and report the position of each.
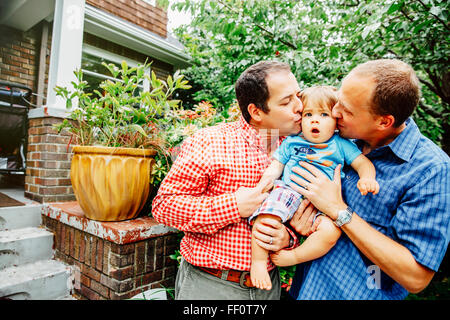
(113, 57)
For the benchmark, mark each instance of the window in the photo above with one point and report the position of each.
(94, 72)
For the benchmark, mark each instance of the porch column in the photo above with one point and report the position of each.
(67, 42)
(48, 158)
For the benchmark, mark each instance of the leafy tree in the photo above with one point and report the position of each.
(321, 41)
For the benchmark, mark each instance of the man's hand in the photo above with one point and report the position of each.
(368, 185)
(322, 192)
(302, 220)
(271, 234)
(250, 199)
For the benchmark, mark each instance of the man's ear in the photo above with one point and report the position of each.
(386, 122)
(255, 112)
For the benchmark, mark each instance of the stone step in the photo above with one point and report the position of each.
(151, 294)
(20, 217)
(26, 245)
(41, 280)
(68, 297)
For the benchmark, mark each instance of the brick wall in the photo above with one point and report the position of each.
(19, 53)
(138, 12)
(48, 162)
(19, 56)
(107, 270)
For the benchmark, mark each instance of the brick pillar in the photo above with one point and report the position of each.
(113, 261)
(48, 162)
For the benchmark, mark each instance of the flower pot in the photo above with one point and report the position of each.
(111, 184)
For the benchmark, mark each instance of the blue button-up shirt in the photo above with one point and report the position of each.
(412, 208)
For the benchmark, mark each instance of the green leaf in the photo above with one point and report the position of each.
(170, 81)
(154, 80)
(369, 29)
(334, 52)
(68, 104)
(436, 10)
(420, 26)
(394, 7)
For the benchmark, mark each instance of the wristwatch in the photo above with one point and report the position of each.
(344, 217)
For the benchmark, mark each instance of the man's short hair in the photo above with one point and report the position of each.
(251, 87)
(397, 90)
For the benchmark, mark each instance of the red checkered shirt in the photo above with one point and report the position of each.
(197, 195)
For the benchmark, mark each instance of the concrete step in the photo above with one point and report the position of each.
(151, 294)
(20, 217)
(68, 297)
(41, 280)
(26, 245)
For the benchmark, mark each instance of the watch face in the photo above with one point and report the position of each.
(347, 215)
(344, 217)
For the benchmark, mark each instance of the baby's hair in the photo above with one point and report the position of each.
(319, 96)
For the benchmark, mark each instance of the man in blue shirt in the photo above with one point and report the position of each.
(393, 242)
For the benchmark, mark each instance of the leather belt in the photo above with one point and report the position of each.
(241, 277)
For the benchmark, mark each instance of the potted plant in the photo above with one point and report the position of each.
(117, 135)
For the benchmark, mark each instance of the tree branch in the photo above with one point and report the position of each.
(434, 79)
(290, 45)
(429, 110)
(429, 85)
(406, 15)
(345, 4)
(437, 18)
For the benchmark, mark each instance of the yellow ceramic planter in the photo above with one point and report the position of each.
(111, 184)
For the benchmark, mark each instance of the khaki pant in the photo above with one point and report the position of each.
(194, 284)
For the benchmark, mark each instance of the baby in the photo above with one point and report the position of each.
(319, 145)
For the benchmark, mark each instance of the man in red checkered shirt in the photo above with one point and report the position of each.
(212, 189)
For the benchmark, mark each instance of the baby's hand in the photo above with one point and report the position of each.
(284, 258)
(368, 185)
(266, 184)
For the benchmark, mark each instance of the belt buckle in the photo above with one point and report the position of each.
(242, 279)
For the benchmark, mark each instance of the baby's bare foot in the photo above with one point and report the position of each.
(260, 276)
